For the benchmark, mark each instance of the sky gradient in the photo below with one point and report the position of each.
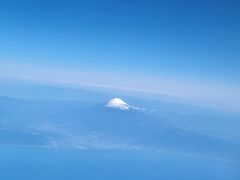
(182, 48)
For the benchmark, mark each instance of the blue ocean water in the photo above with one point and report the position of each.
(33, 163)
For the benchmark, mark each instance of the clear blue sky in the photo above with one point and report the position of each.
(170, 46)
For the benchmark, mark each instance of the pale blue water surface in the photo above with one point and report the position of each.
(28, 163)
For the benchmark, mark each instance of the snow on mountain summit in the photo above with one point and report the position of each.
(118, 103)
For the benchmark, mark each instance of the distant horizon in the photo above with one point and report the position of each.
(112, 92)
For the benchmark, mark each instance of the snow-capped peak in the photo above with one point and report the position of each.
(118, 103)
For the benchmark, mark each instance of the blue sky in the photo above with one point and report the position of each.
(185, 48)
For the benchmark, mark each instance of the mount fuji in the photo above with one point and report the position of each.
(118, 103)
